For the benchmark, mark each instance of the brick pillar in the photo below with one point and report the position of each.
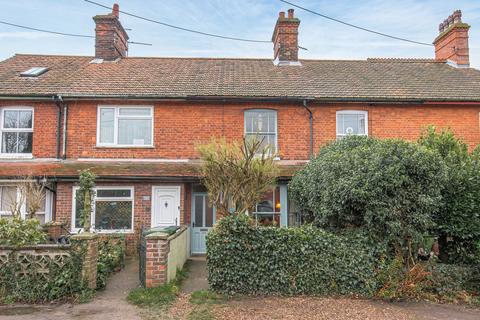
(157, 249)
(89, 241)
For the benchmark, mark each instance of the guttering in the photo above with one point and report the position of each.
(60, 105)
(310, 116)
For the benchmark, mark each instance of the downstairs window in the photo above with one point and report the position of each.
(112, 210)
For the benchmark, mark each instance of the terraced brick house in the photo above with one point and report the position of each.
(136, 121)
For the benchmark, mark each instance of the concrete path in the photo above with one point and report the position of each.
(197, 275)
(109, 304)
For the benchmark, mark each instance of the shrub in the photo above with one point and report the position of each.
(247, 259)
(389, 187)
(19, 232)
(111, 258)
(459, 217)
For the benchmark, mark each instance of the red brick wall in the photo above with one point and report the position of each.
(180, 126)
(142, 207)
(44, 126)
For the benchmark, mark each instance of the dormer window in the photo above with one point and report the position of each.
(34, 72)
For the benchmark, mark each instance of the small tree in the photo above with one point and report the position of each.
(237, 175)
(34, 194)
(86, 193)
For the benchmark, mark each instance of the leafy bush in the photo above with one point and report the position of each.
(19, 232)
(459, 218)
(389, 187)
(247, 259)
(111, 258)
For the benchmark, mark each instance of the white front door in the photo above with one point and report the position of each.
(203, 218)
(166, 206)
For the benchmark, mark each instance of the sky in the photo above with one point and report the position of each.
(414, 19)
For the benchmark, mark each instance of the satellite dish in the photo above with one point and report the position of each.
(349, 130)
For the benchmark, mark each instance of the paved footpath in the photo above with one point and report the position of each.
(109, 304)
(197, 275)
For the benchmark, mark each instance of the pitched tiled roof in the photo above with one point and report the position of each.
(372, 79)
(117, 169)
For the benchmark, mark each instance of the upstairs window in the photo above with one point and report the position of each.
(125, 126)
(262, 124)
(351, 122)
(17, 131)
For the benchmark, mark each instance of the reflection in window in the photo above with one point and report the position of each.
(17, 131)
(267, 210)
(262, 125)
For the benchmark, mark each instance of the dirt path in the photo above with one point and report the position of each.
(197, 275)
(109, 304)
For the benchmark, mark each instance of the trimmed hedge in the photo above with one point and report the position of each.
(246, 259)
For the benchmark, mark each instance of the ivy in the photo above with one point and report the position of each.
(19, 232)
(247, 259)
(111, 258)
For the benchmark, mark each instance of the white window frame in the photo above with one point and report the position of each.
(23, 208)
(2, 130)
(245, 133)
(352, 112)
(94, 201)
(117, 116)
(256, 214)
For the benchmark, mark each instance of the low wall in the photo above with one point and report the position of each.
(165, 254)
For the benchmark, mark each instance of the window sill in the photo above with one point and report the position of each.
(123, 147)
(76, 231)
(13, 156)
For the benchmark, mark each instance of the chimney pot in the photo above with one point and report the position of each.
(111, 39)
(285, 40)
(452, 42)
(115, 10)
(290, 13)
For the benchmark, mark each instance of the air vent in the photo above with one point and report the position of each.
(34, 72)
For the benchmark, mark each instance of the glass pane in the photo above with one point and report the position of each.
(134, 111)
(8, 197)
(208, 214)
(9, 142)
(78, 211)
(248, 122)
(268, 219)
(25, 142)
(272, 120)
(40, 217)
(113, 215)
(10, 119)
(25, 119)
(351, 124)
(267, 203)
(107, 118)
(199, 211)
(112, 193)
(135, 131)
(277, 199)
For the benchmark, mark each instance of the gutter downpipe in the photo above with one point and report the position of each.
(64, 142)
(305, 105)
(60, 104)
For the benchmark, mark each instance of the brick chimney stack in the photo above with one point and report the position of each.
(111, 39)
(452, 42)
(285, 39)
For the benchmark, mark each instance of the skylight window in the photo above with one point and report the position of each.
(34, 72)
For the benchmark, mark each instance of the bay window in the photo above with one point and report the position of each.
(129, 126)
(16, 131)
(112, 209)
(12, 198)
(267, 210)
(352, 122)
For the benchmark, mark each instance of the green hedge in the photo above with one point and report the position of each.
(111, 257)
(243, 258)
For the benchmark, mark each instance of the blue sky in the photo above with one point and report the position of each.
(414, 19)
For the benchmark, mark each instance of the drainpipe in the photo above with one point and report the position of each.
(65, 114)
(59, 102)
(311, 125)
